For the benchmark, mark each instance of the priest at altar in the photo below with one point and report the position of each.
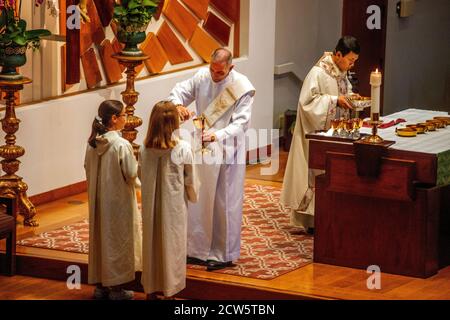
(322, 99)
(224, 101)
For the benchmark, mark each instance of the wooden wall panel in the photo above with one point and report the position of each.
(73, 52)
(111, 66)
(181, 18)
(158, 12)
(203, 44)
(217, 28)
(91, 32)
(117, 47)
(62, 17)
(176, 53)
(153, 48)
(91, 69)
(229, 8)
(198, 7)
(64, 85)
(105, 9)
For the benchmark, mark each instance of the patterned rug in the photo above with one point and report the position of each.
(270, 247)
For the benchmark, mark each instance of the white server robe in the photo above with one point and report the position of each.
(166, 188)
(115, 235)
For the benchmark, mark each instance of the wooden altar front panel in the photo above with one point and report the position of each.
(397, 221)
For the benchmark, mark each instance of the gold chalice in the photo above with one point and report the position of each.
(335, 124)
(199, 123)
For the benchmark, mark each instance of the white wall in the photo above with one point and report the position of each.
(304, 30)
(417, 72)
(54, 133)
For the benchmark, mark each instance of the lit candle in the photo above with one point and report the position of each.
(375, 82)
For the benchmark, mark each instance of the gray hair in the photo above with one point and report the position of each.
(222, 55)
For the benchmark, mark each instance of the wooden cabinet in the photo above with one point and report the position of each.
(398, 220)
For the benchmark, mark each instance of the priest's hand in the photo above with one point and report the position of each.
(343, 103)
(209, 137)
(184, 112)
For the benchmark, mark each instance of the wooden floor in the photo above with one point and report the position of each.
(314, 281)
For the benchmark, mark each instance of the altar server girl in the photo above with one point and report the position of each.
(115, 243)
(168, 182)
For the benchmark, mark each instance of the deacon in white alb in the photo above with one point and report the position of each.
(224, 98)
(322, 99)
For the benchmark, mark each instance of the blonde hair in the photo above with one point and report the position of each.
(164, 120)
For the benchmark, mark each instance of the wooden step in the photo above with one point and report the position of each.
(153, 48)
(111, 66)
(217, 28)
(175, 51)
(203, 44)
(198, 7)
(180, 17)
(229, 8)
(90, 67)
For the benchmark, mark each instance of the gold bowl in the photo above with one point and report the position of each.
(421, 129)
(446, 119)
(359, 103)
(438, 123)
(406, 132)
(430, 126)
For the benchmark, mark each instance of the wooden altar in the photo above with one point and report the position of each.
(397, 219)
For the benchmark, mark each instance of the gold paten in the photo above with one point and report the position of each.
(406, 132)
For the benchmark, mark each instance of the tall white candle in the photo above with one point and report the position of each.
(375, 82)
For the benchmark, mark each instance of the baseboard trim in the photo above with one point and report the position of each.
(59, 193)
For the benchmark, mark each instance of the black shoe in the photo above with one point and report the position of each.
(310, 231)
(196, 261)
(217, 265)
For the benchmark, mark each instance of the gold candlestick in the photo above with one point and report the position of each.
(11, 185)
(374, 122)
(130, 97)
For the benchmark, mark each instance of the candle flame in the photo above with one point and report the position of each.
(376, 71)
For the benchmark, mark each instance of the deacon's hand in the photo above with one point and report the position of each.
(343, 103)
(184, 112)
(209, 137)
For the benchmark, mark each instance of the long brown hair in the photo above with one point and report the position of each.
(164, 120)
(101, 123)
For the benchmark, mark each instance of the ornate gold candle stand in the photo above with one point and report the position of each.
(11, 185)
(374, 137)
(130, 97)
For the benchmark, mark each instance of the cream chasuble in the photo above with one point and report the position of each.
(317, 106)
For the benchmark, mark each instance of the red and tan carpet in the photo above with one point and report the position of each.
(270, 247)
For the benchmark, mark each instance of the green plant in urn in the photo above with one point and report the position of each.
(132, 18)
(15, 39)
